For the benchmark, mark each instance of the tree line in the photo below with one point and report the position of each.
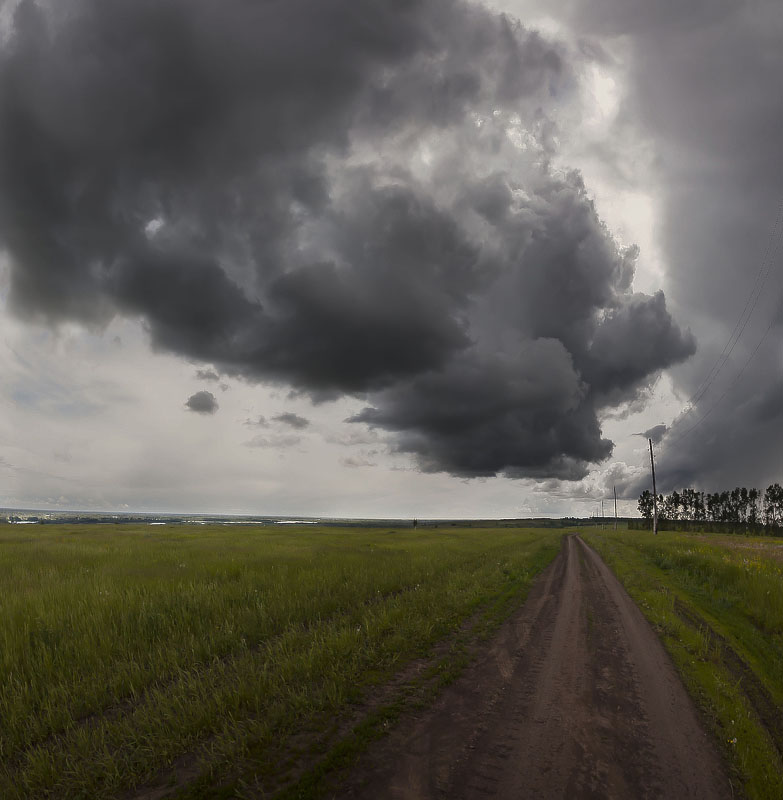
(740, 505)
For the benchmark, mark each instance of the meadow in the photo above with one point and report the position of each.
(217, 661)
(717, 602)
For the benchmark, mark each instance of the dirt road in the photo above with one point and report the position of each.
(575, 698)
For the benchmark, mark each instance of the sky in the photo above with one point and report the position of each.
(394, 259)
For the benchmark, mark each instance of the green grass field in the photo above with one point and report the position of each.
(717, 602)
(221, 659)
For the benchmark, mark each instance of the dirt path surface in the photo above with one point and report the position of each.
(574, 698)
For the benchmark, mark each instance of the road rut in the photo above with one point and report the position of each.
(574, 698)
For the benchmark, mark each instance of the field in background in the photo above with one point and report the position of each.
(717, 602)
(220, 660)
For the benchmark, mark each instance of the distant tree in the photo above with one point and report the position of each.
(699, 510)
(713, 506)
(686, 504)
(724, 503)
(675, 504)
(646, 504)
(670, 507)
(693, 503)
(773, 504)
(738, 506)
(744, 500)
(753, 506)
(664, 507)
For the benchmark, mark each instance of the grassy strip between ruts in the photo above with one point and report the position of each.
(128, 650)
(333, 745)
(716, 602)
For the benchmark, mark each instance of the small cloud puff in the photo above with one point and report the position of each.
(292, 420)
(208, 375)
(259, 422)
(202, 403)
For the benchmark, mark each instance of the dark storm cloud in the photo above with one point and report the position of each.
(341, 201)
(202, 403)
(292, 420)
(527, 414)
(560, 337)
(705, 92)
(634, 339)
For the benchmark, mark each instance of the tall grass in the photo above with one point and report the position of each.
(735, 586)
(124, 648)
(745, 574)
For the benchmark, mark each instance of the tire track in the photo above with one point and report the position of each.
(575, 698)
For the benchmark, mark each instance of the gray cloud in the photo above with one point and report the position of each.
(273, 441)
(354, 437)
(635, 338)
(601, 484)
(356, 462)
(342, 203)
(526, 415)
(292, 420)
(202, 402)
(207, 375)
(259, 422)
(656, 433)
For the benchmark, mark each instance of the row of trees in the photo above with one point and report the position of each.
(739, 505)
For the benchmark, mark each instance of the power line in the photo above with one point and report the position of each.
(767, 261)
(655, 491)
(753, 298)
(750, 358)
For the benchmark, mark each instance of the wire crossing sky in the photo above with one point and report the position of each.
(431, 258)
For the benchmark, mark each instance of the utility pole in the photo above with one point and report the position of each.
(655, 493)
(602, 514)
(614, 488)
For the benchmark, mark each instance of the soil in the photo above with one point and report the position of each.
(574, 698)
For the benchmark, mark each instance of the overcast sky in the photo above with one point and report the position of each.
(435, 259)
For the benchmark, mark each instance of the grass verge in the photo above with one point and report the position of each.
(716, 603)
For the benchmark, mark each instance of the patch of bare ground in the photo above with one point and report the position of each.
(574, 698)
(769, 714)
